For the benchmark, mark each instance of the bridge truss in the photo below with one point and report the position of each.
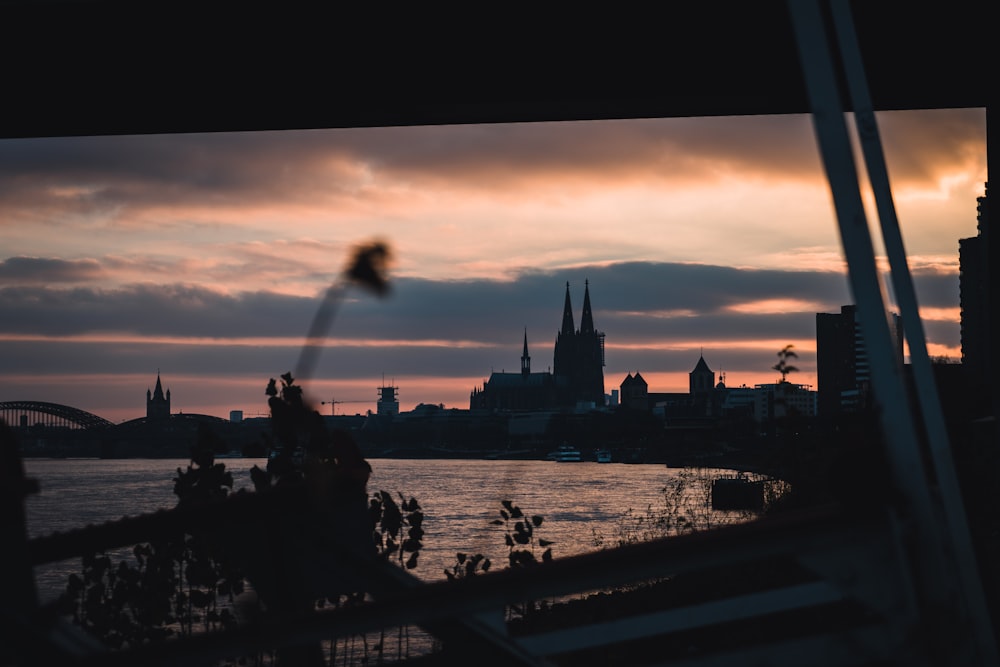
(51, 415)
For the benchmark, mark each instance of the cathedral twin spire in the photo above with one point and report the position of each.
(586, 320)
(568, 328)
(576, 377)
(567, 322)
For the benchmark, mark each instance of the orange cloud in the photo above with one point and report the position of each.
(695, 347)
(941, 314)
(768, 306)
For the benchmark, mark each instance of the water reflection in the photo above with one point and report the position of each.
(585, 505)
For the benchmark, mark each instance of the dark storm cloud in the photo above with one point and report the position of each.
(633, 300)
(680, 147)
(45, 270)
(625, 298)
(919, 144)
(31, 358)
(943, 333)
(236, 161)
(151, 310)
(935, 289)
(211, 162)
(244, 169)
(636, 304)
(654, 147)
(83, 175)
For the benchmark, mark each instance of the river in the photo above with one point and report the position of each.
(583, 504)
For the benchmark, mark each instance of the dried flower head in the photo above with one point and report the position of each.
(369, 266)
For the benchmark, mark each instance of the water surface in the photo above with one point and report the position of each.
(460, 499)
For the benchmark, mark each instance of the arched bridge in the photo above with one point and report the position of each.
(31, 413)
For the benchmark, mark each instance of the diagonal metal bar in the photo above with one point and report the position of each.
(937, 583)
(737, 608)
(863, 647)
(433, 605)
(955, 529)
(835, 150)
(817, 528)
(377, 577)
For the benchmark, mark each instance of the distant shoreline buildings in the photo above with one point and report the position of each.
(708, 401)
(527, 410)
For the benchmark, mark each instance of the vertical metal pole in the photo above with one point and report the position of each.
(936, 581)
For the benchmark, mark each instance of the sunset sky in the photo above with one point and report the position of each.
(204, 256)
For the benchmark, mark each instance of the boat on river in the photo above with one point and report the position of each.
(565, 454)
(602, 455)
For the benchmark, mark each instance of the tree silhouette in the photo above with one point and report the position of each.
(783, 366)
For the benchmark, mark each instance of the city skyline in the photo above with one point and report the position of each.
(204, 256)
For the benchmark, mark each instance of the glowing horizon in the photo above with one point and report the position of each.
(205, 255)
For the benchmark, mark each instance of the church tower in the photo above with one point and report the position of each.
(567, 320)
(575, 381)
(562, 358)
(702, 379)
(591, 354)
(578, 363)
(525, 358)
(157, 403)
(587, 319)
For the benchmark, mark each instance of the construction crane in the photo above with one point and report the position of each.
(333, 403)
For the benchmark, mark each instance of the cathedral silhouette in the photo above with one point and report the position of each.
(576, 379)
(158, 403)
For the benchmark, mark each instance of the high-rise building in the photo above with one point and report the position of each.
(842, 368)
(973, 281)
